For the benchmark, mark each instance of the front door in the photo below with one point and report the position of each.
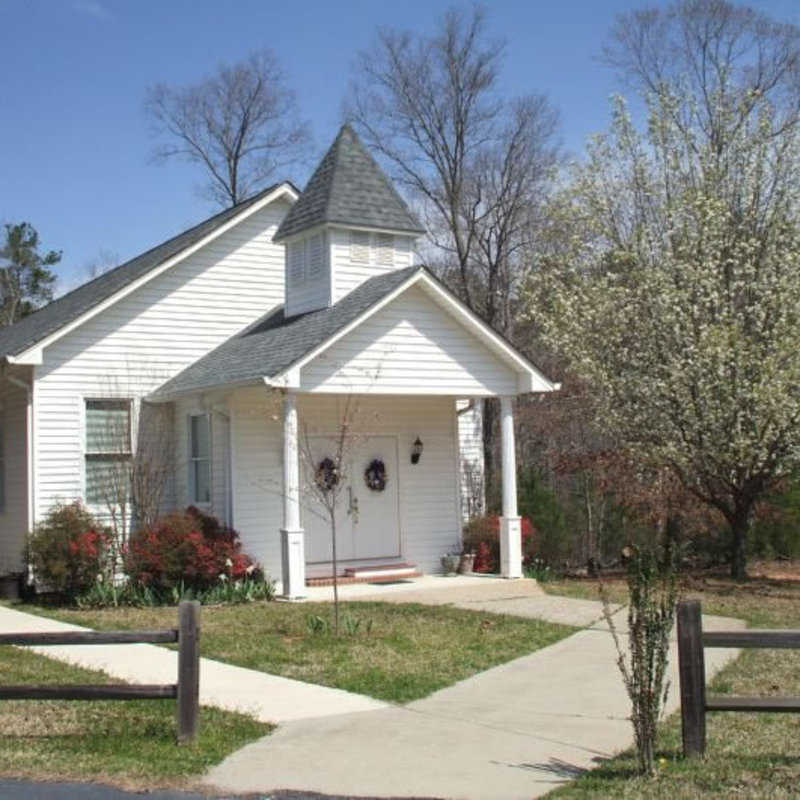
(367, 520)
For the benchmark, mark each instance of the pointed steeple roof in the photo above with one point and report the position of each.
(349, 188)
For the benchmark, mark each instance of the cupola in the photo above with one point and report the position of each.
(348, 225)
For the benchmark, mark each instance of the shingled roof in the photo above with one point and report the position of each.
(30, 330)
(274, 343)
(349, 188)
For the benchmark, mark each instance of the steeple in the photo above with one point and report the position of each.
(349, 188)
(348, 225)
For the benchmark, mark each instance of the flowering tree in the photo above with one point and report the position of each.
(677, 296)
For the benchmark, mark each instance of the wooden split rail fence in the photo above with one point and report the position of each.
(691, 667)
(186, 690)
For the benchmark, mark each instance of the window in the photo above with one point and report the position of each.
(108, 451)
(297, 267)
(385, 247)
(200, 458)
(314, 254)
(359, 247)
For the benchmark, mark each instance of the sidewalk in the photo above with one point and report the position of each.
(268, 698)
(515, 731)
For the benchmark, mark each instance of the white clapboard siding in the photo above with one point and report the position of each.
(14, 516)
(144, 339)
(411, 346)
(470, 438)
(348, 274)
(429, 491)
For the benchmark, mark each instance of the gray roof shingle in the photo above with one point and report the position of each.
(32, 329)
(349, 188)
(273, 343)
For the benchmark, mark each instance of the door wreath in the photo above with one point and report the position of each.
(327, 476)
(375, 475)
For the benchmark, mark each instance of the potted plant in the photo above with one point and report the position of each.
(9, 586)
(466, 562)
(450, 562)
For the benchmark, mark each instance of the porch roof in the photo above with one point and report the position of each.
(275, 344)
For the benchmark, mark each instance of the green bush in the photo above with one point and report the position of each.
(69, 551)
(541, 506)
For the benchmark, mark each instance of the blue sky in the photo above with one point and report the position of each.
(74, 143)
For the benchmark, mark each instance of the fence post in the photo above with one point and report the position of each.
(691, 668)
(188, 670)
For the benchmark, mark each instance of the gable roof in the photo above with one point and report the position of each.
(31, 330)
(349, 188)
(274, 344)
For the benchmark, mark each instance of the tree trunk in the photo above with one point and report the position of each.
(335, 571)
(740, 528)
(490, 415)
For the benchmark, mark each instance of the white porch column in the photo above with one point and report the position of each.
(293, 558)
(510, 527)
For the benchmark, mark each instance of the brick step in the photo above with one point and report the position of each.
(375, 573)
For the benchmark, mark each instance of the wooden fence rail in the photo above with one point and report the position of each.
(691, 667)
(186, 690)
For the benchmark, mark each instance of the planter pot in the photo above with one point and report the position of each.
(9, 587)
(466, 563)
(450, 564)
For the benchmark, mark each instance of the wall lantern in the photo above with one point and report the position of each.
(416, 451)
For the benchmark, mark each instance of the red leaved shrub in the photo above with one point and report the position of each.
(68, 550)
(482, 537)
(186, 547)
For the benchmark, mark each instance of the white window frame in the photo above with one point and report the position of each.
(360, 244)
(104, 456)
(192, 461)
(315, 256)
(297, 262)
(384, 249)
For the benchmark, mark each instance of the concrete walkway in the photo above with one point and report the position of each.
(521, 598)
(268, 698)
(515, 731)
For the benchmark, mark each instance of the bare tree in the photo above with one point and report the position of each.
(153, 463)
(103, 261)
(240, 125)
(479, 165)
(328, 475)
(728, 57)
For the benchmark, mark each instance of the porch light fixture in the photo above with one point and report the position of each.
(416, 451)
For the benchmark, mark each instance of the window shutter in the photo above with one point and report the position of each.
(359, 247)
(385, 248)
(315, 254)
(296, 262)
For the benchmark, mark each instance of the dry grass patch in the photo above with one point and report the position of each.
(400, 652)
(129, 744)
(749, 755)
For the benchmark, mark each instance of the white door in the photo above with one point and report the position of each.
(367, 521)
(315, 518)
(376, 525)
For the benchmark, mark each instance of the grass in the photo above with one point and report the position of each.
(748, 755)
(399, 653)
(129, 744)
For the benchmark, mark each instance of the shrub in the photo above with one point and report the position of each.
(482, 537)
(186, 549)
(69, 551)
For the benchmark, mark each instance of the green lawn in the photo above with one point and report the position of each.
(399, 653)
(749, 755)
(130, 743)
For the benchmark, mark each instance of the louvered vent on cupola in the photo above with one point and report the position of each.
(348, 225)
